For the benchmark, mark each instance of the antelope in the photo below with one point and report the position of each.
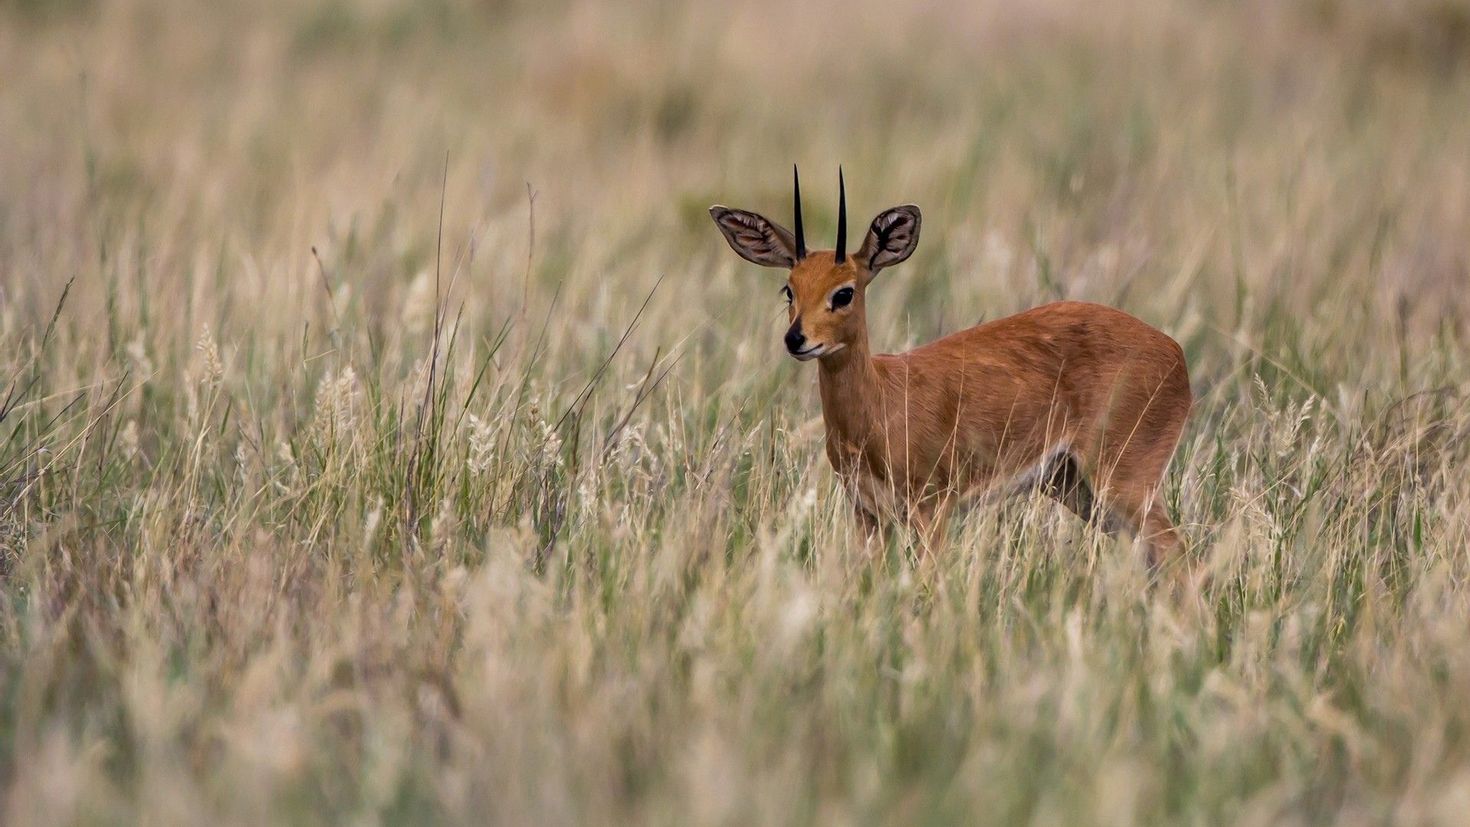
(1081, 401)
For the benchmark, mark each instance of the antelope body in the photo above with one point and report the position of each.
(1083, 402)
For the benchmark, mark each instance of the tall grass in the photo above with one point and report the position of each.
(387, 436)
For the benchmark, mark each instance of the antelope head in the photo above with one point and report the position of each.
(825, 291)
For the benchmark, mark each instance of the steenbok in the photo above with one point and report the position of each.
(1083, 402)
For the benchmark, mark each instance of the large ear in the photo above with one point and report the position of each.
(756, 238)
(891, 239)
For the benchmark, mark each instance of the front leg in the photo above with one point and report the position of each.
(928, 519)
(859, 493)
(868, 523)
(873, 529)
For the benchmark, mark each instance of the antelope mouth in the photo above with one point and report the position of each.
(814, 351)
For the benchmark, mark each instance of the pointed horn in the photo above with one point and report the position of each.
(796, 199)
(841, 217)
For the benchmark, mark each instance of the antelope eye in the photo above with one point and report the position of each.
(842, 298)
(786, 294)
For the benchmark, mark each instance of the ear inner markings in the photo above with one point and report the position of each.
(754, 237)
(893, 236)
(885, 233)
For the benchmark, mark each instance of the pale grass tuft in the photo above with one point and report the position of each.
(335, 417)
(419, 305)
(481, 444)
(211, 367)
(127, 439)
(142, 363)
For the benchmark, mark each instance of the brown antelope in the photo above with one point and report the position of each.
(1081, 401)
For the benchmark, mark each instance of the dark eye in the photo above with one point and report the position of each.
(786, 294)
(842, 298)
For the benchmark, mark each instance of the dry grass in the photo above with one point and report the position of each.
(271, 550)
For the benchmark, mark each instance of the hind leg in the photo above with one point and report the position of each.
(1130, 499)
(1144, 518)
(1131, 502)
(1127, 472)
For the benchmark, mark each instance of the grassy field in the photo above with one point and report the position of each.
(388, 436)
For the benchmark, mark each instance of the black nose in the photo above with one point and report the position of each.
(795, 342)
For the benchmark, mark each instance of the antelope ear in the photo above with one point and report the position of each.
(891, 239)
(756, 238)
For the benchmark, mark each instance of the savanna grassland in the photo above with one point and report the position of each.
(388, 436)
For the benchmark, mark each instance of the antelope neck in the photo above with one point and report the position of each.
(848, 381)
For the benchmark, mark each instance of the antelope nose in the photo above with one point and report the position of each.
(794, 340)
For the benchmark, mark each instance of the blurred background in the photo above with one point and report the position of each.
(1308, 156)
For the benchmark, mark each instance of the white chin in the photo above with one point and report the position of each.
(819, 350)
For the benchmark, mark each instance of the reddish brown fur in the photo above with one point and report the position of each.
(1083, 401)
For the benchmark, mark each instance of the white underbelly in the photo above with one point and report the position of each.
(884, 498)
(1027, 478)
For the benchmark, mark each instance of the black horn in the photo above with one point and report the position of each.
(841, 217)
(796, 199)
